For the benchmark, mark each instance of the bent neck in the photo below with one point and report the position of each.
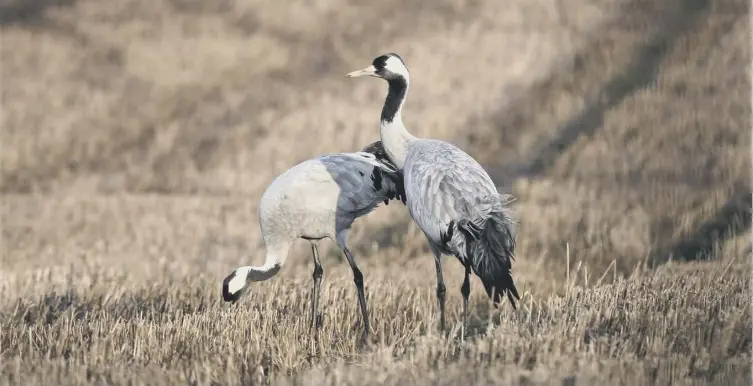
(265, 272)
(275, 260)
(395, 137)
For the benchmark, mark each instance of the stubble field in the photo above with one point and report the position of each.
(137, 137)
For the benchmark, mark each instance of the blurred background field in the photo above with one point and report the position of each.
(138, 136)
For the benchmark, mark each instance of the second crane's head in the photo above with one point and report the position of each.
(389, 67)
(235, 285)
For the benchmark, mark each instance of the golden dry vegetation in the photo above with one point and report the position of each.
(138, 135)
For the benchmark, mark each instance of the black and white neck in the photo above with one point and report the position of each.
(395, 137)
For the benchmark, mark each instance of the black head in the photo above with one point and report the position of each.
(233, 287)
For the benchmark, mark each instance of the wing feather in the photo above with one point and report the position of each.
(456, 204)
(355, 174)
(443, 184)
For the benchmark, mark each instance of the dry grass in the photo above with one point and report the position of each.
(138, 136)
(684, 326)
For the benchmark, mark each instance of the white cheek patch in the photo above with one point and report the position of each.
(236, 283)
(396, 66)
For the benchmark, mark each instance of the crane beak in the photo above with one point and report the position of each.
(368, 71)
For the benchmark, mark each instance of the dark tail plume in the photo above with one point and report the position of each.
(490, 245)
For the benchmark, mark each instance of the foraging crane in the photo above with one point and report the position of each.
(319, 198)
(449, 196)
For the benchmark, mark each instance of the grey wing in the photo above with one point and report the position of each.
(443, 185)
(363, 182)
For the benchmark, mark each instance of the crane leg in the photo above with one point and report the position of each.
(441, 290)
(318, 272)
(358, 279)
(465, 290)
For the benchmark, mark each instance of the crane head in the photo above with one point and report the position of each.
(388, 66)
(234, 286)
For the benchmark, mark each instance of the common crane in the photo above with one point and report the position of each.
(449, 196)
(316, 199)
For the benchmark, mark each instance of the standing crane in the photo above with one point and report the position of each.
(449, 195)
(316, 199)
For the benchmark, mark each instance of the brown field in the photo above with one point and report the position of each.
(138, 135)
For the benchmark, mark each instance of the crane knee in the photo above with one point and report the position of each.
(441, 290)
(465, 289)
(358, 277)
(318, 272)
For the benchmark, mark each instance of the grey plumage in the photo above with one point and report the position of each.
(364, 184)
(319, 198)
(456, 204)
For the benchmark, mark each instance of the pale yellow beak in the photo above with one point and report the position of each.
(368, 71)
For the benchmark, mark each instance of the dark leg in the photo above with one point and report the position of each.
(318, 272)
(441, 290)
(358, 279)
(465, 290)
